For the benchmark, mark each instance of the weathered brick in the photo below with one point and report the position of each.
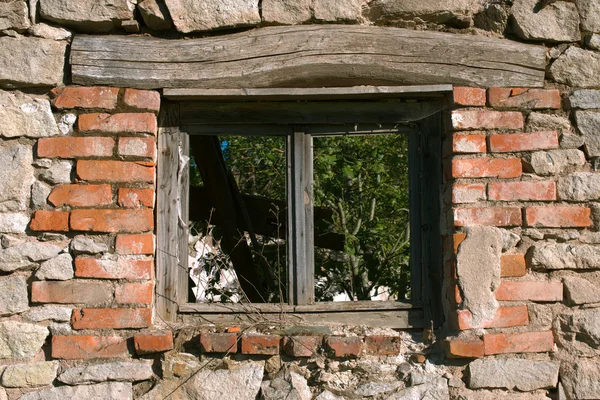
(485, 119)
(487, 168)
(71, 292)
(345, 346)
(523, 141)
(462, 144)
(85, 97)
(558, 216)
(465, 348)
(111, 318)
(135, 198)
(302, 346)
(533, 99)
(457, 239)
(512, 265)
(135, 244)
(527, 191)
(493, 216)
(220, 342)
(118, 123)
(57, 221)
(126, 221)
(87, 267)
(153, 342)
(74, 147)
(468, 96)
(145, 100)
(134, 293)
(115, 171)
(383, 345)
(505, 317)
(87, 347)
(260, 344)
(534, 291)
(81, 195)
(137, 147)
(526, 342)
(468, 193)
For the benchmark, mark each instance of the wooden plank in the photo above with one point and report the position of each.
(195, 113)
(279, 130)
(307, 56)
(415, 179)
(307, 270)
(329, 306)
(304, 94)
(171, 253)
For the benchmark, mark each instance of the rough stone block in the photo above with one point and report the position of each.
(17, 171)
(155, 14)
(578, 331)
(190, 16)
(19, 340)
(122, 371)
(581, 379)
(580, 291)
(13, 222)
(87, 15)
(589, 11)
(585, 99)
(553, 22)
(565, 256)
(286, 11)
(57, 268)
(14, 15)
(29, 375)
(588, 123)
(512, 373)
(337, 10)
(577, 68)
(24, 115)
(13, 295)
(107, 390)
(554, 162)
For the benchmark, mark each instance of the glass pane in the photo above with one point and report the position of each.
(362, 247)
(237, 244)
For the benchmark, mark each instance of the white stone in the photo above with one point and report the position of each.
(59, 172)
(66, 122)
(58, 329)
(190, 15)
(13, 222)
(375, 388)
(29, 375)
(23, 115)
(435, 390)
(50, 32)
(49, 312)
(87, 15)
(594, 42)
(554, 161)
(19, 340)
(13, 295)
(588, 123)
(13, 15)
(438, 11)
(58, 268)
(577, 67)
(286, 11)
(109, 390)
(554, 256)
(580, 291)
(289, 386)
(586, 99)
(31, 61)
(327, 395)
(10, 241)
(512, 373)
(39, 194)
(337, 10)
(581, 379)
(155, 14)
(17, 176)
(537, 122)
(509, 240)
(578, 331)
(556, 22)
(26, 254)
(121, 371)
(590, 14)
(493, 17)
(86, 245)
(579, 186)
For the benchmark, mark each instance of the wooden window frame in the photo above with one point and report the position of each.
(301, 114)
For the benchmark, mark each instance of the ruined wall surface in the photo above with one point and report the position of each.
(77, 196)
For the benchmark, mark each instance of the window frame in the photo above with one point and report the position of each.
(302, 114)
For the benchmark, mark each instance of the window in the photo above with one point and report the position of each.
(300, 118)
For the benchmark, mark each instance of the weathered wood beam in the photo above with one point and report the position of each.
(307, 56)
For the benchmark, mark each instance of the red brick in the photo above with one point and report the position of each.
(345, 346)
(115, 171)
(558, 216)
(220, 342)
(523, 141)
(468, 193)
(484, 119)
(57, 221)
(81, 195)
(533, 99)
(85, 97)
(136, 198)
(154, 342)
(134, 293)
(493, 216)
(526, 342)
(135, 244)
(111, 318)
(87, 347)
(383, 345)
(465, 348)
(458, 239)
(302, 346)
(260, 344)
(462, 144)
(126, 221)
(87, 267)
(118, 123)
(505, 317)
(487, 168)
(73, 147)
(137, 147)
(527, 191)
(534, 291)
(458, 299)
(71, 292)
(468, 96)
(146, 100)
(512, 265)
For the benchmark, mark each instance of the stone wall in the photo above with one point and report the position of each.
(77, 196)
